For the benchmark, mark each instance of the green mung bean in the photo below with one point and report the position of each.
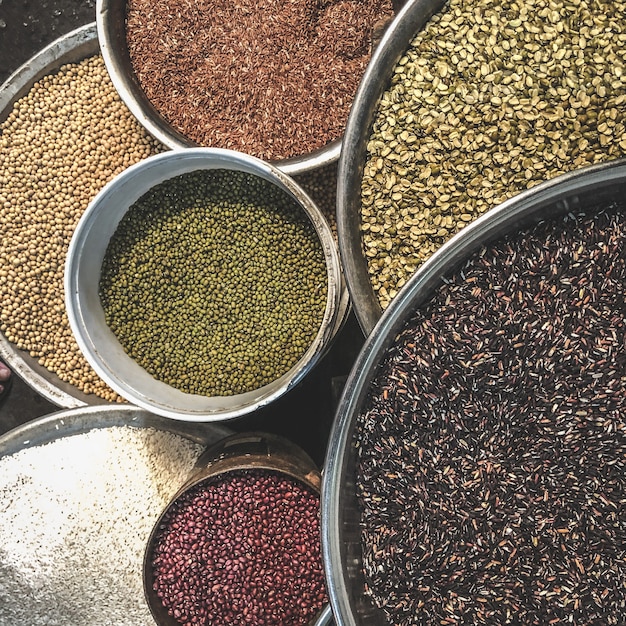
(215, 282)
(488, 100)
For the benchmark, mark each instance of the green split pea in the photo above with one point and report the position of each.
(489, 99)
(215, 282)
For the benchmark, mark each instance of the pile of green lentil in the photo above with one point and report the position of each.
(215, 282)
(489, 99)
(61, 143)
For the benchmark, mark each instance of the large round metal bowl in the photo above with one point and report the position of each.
(82, 276)
(71, 48)
(341, 547)
(409, 21)
(110, 20)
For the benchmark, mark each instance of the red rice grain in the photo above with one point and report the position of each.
(271, 78)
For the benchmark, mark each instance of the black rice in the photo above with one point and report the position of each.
(491, 451)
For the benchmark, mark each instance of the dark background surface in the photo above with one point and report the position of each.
(305, 414)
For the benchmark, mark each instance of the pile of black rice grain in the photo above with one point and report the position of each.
(491, 451)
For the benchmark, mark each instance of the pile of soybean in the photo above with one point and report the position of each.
(60, 144)
(489, 99)
(215, 282)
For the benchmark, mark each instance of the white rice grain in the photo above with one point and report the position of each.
(75, 516)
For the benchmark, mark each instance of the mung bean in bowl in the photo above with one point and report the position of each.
(239, 542)
(202, 284)
(475, 472)
(273, 80)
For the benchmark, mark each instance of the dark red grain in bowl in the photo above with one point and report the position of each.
(240, 542)
(275, 80)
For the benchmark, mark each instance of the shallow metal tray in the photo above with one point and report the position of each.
(71, 48)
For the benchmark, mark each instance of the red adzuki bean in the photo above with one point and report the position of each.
(241, 549)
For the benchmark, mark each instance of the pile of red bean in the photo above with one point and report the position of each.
(242, 548)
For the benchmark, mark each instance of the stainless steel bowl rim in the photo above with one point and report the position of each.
(73, 47)
(126, 188)
(67, 422)
(326, 617)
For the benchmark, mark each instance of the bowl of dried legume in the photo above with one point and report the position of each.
(239, 542)
(465, 104)
(475, 469)
(274, 80)
(64, 133)
(203, 283)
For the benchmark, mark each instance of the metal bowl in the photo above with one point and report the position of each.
(71, 48)
(409, 21)
(241, 451)
(100, 346)
(110, 20)
(341, 546)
